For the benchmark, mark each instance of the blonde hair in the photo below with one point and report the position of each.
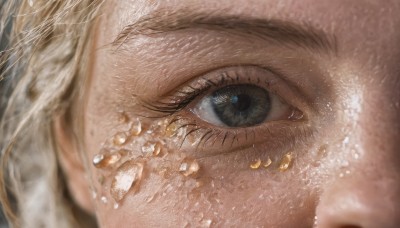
(44, 62)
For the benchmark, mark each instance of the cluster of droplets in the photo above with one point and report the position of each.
(124, 157)
(284, 164)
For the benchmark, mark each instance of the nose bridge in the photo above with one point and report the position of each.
(379, 129)
(378, 168)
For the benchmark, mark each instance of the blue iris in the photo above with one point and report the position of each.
(241, 105)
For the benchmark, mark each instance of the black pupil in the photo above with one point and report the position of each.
(241, 102)
(241, 105)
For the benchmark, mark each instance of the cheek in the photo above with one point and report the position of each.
(142, 171)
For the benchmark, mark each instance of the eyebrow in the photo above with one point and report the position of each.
(273, 30)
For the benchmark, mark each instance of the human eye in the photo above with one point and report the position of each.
(241, 105)
(234, 107)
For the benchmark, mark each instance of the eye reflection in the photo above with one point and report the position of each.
(243, 105)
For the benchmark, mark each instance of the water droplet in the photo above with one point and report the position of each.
(285, 162)
(116, 205)
(127, 177)
(171, 130)
(94, 194)
(120, 139)
(104, 199)
(345, 164)
(267, 163)
(315, 221)
(136, 128)
(30, 2)
(296, 115)
(206, 223)
(256, 164)
(189, 167)
(151, 148)
(150, 199)
(355, 153)
(346, 141)
(105, 159)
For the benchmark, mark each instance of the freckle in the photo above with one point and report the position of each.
(101, 179)
(189, 167)
(120, 139)
(286, 162)
(151, 148)
(256, 164)
(105, 159)
(322, 151)
(127, 178)
(267, 163)
(136, 128)
(123, 117)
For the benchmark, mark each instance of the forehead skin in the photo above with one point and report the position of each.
(363, 80)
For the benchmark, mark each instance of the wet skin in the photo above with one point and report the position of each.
(334, 63)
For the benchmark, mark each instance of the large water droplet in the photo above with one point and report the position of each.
(256, 164)
(151, 148)
(120, 139)
(127, 178)
(189, 167)
(136, 128)
(105, 159)
(285, 162)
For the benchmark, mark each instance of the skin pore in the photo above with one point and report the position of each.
(325, 156)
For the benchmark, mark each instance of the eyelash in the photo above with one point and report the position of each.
(175, 104)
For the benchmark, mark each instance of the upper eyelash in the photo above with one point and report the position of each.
(178, 102)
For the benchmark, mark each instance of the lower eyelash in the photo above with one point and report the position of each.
(207, 135)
